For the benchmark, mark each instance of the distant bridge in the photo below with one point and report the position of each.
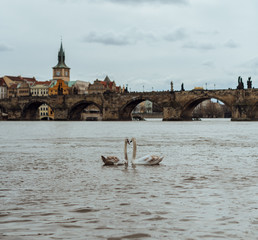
(176, 106)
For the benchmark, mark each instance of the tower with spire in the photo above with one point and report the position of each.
(61, 71)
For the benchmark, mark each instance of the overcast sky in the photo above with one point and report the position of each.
(136, 42)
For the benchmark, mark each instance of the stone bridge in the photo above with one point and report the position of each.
(177, 105)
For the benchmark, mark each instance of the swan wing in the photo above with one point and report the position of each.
(110, 160)
(156, 159)
(149, 160)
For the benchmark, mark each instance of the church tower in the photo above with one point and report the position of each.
(61, 71)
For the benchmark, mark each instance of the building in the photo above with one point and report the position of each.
(18, 90)
(10, 80)
(40, 88)
(46, 113)
(102, 86)
(23, 89)
(61, 71)
(91, 113)
(3, 89)
(58, 87)
(78, 87)
(18, 86)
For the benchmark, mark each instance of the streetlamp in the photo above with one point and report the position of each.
(143, 88)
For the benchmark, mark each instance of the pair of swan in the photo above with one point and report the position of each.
(146, 160)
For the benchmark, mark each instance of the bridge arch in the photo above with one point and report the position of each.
(188, 108)
(77, 109)
(30, 110)
(125, 112)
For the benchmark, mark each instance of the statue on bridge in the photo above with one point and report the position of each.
(182, 87)
(171, 86)
(240, 83)
(249, 83)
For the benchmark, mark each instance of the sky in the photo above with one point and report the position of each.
(144, 44)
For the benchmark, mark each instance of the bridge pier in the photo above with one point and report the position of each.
(171, 114)
(61, 114)
(110, 114)
(241, 112)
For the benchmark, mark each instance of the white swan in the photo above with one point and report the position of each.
(146, 160)
(112, 160)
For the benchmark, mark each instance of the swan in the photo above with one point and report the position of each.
(112, 160)
(146, 160)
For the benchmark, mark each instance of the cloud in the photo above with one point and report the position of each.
(199, 46)
(231, 44)
(177, 35)
(147, 1)
(175, 2)
(207, 33)
(4, 47)
(208, 64)
(108, 38)
(128, 37)
(251, 64)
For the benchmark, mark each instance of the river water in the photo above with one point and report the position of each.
(53, 184)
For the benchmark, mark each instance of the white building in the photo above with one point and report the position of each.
(40, 89)
(3, 89)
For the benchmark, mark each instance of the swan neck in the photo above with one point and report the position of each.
(125, 151)
(134, 150)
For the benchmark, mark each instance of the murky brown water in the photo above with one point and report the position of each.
(53, 184)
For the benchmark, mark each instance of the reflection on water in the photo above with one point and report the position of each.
(53, 184)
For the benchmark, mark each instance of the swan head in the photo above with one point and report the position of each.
(127, 141)
(132, 140)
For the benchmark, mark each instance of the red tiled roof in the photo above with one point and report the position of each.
(22, 79)
(13, 78)
(30, 79)
(42, 83)
(105, 84)
(2, 82)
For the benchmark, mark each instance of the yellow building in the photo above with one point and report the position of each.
(61, 71)
(46, 113)
(58, 87)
